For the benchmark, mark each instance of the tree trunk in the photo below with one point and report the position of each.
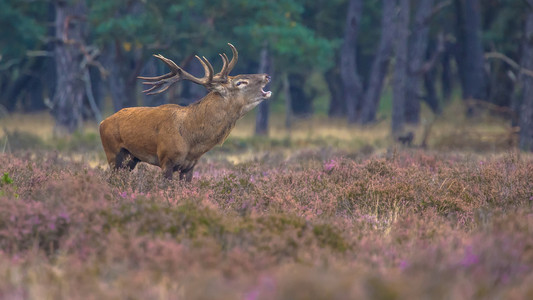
(501, 84)
(446, 75)
(16, 84)
(97, 82)
(261, 119)
(337, 106)
(400, 68)
(526, 114)
(417, 54)
(470, 52)
(288, 101)
(121, 88)
(380, 64)
(35, 94)
(301, 102)
(70, 91)
(431, 93)
(352, 87)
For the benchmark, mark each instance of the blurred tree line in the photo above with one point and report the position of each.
(69, 55)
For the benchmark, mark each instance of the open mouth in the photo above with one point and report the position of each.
(266, 94)
(263, 93)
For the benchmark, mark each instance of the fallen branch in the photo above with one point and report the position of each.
(493, 107)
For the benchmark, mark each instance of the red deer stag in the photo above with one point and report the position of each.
(174, 137)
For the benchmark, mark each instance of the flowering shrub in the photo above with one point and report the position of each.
(319, 225)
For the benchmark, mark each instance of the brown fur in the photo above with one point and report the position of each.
(174, 137)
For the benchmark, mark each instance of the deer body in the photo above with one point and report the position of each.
(174, 137)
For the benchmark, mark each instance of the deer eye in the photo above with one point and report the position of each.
(241, 83)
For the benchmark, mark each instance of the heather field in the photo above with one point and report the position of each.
(318, 216)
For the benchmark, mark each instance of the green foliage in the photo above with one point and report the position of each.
(6, 179)
(503, 22)
(303, 35)
(22, 27)
(192, 27)
(8, 188)
(279, 24)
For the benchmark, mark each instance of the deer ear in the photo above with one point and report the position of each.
(220, 89)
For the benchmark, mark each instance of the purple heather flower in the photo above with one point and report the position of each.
(403, 265)
(469, 258)
(252, 295)
(330, 165)
(64, 216)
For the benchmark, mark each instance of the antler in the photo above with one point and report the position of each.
(227, 66)
(163, 82)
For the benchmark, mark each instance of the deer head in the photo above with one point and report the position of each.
(245, 89)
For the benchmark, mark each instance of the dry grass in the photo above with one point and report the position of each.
(450, 131)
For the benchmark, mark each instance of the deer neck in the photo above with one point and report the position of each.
(211, 120)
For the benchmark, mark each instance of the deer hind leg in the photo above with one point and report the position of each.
(111, 155)
(124, 155)
(133, 162)
(111, 159)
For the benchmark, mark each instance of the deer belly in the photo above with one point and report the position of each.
(147, 158)
(144, 152)
(153, 160)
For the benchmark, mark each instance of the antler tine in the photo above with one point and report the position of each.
(227, 65)
(224, 63)
(234, 59)
(173, 69)
(210, 68)
(226, 60)
(163, 88)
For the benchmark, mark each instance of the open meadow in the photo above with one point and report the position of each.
(326, 211)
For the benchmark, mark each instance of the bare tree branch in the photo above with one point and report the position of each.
(439, 7)
(429, 64)
(89, 53)
(509, 61)
(436, 9)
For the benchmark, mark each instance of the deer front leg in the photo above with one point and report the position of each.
(168, 170)
(169, 165)
(187, 174)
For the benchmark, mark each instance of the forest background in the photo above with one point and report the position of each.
(393, 160)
